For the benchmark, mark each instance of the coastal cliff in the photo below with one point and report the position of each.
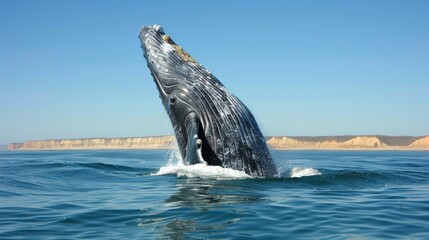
(420, 143)
(281, 142)
(159, 142)
(351, 142)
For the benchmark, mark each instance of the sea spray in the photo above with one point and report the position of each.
(288, 169)
(297, 172)
(175, 166)
(203, 171)
(174, 158)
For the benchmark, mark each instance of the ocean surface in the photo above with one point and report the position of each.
(146, 194)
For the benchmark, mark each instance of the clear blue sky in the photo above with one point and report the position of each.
(74, 69)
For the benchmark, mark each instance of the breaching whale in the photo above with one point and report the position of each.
(211, 125)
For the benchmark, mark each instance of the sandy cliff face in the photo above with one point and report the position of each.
(97, 143)
(363, 142)
(356, 142)
(287, 142)
(420, 143)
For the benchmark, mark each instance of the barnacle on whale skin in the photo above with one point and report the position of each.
(182, 53)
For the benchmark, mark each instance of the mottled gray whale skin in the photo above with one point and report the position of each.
(210, 123)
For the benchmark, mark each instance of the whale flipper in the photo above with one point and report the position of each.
(194, 145)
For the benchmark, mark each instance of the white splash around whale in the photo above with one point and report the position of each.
(203, 171)
(175, 166)
(297, 172)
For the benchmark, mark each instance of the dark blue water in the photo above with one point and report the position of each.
(117, 195)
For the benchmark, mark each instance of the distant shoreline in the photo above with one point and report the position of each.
(333, 143)
(351, 149)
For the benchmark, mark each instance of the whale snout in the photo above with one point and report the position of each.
(146, 30)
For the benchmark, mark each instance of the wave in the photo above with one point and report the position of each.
(350, 179)
(305, 175)
(369, 177)
(109, 167)
(298, 172)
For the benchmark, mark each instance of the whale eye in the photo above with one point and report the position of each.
(172, 100)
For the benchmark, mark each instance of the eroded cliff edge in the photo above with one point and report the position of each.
(351, 143)
(281, 142)
(158, 142)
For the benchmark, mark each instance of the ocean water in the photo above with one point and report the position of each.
(142, 194)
